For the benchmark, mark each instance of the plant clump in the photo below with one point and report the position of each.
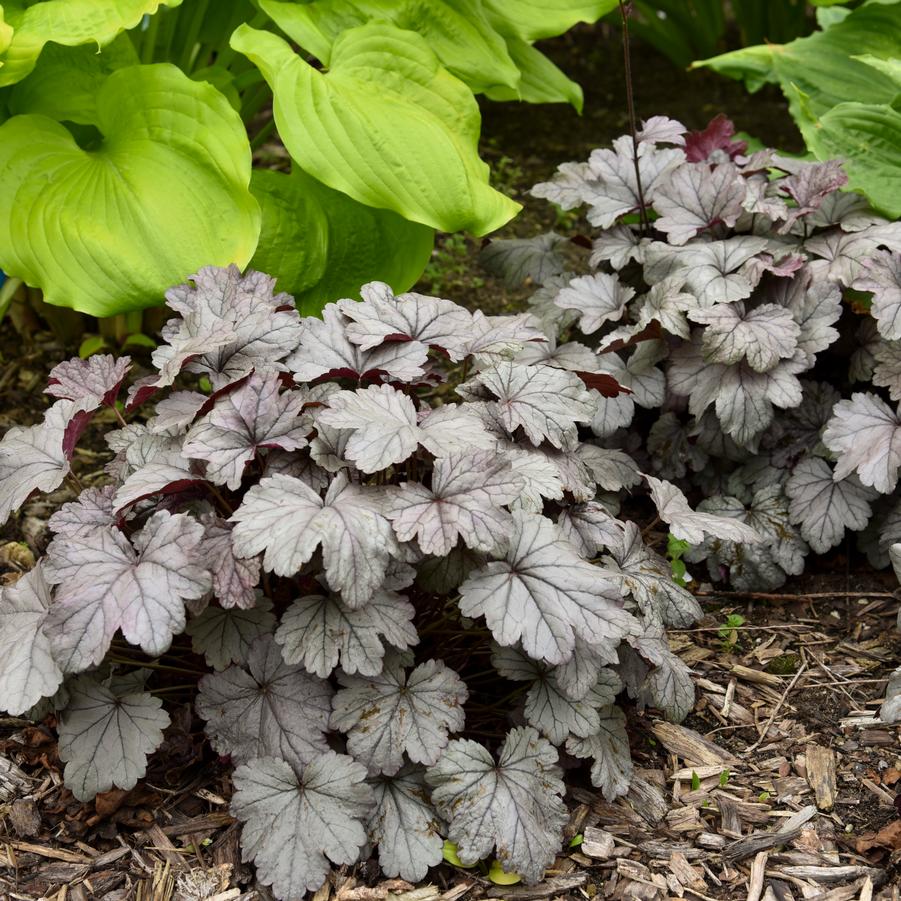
(360, 522)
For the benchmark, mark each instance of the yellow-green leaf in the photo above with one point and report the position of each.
(387, 125)
(166, 191)
(499, 876)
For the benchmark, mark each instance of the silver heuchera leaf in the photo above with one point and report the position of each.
(546, 402)
(843, 255)
(382, 317)
(318, 632)
(269, 709)
(465, 500)
(91, 512)
(668, 686)
(695, 197)
(572, 355)
(95, 380)
(518, 260)
(387, 430)
(104, 740)
(691, 526)
(386, 715)
(253, 416)
(28, 670)
(598, 298)
(887, 368)
(580, 673)
(662, 130)
(865, 435)
(755, 567)
(548, 707)
(544, 594)
(648, 578)
(890, 711)
(234, 579)
(225, 636)
(743, 398)
(296, 821)
(882, 276)
(496, 338)
(763, 335)
(513, 807)
(608, 746)
(288, 520)
(572, 185)
(809, 185)
(105, 583)
(34, 458)
(617, 192)
(231, 324)
(326, 350)
(405, 825)
(168, 473)
(590, 528)
(175, 413)
(616, 246)
(815, 305)
(709, 269)
(824, 507)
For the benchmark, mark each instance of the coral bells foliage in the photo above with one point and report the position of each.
(360, 522)
(753, 307)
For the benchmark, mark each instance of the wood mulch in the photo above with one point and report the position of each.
(781, 785)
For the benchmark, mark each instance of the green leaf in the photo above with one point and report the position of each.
(868, 137)
(695, 781)
(139, 340)
(822, 66)
(450, 855)
(724, 778)
(321, 245)
(67, 22)
(91, 345)
(164, 193)
(536, 19)
(387, 125)
(458, 31)
(542, 81)
(66, 80)
(499, 876)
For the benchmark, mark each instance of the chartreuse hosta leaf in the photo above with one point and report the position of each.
(533, 20)
(166, 191)
(66, 22)
(322, 244)
(458, 31)
(385, 99)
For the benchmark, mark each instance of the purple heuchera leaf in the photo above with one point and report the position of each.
(809, 186)
(105, 583)
(95, 380)
(714, 143)
(253, 416)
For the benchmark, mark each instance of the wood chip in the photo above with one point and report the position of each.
(758, 870)
(547, 889)
(820, 763)
(754, 844)
(758, 677)
(691, 746)
(597, 843)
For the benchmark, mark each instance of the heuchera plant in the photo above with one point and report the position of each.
(740, 296)
(338, 510)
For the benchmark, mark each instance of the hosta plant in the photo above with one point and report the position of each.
(753, 308)
(363, 523)
(127, 131)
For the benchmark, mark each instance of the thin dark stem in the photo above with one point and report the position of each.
(630, 103)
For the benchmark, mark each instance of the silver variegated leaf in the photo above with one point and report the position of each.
(882, 276)
(95, 380)
(295, 821)
(268, 709)
(823, 507)
(405, 826)
(465, 500)
(105, 739)
(287, 520)
(28, 669)
(597, 298)
(590, 528)
(225, 636)
(392, 713)
(107, 583)
(544, 594)
(234, 579)
(518, 260)
(513, 807)
(608, 747)
(319, 632)
(386, 428)
(92, 512)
